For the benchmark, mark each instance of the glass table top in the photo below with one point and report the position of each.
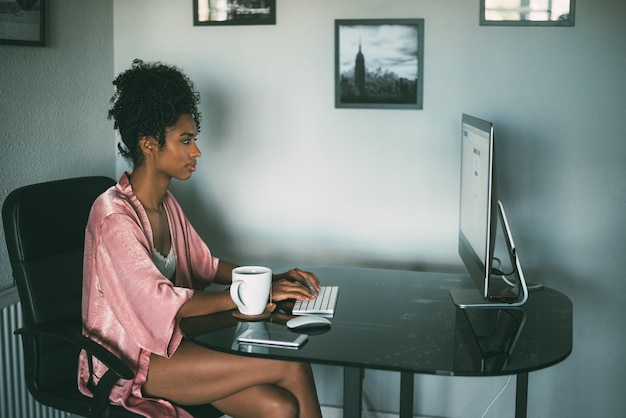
(406, 321)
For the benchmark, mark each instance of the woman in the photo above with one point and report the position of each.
(145, 268)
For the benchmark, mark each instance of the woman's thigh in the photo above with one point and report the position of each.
(197, 375)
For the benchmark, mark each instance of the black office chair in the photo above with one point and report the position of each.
(44, 225)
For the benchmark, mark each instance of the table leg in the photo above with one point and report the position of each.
(352, 391)
(521, 395)
(406, 394)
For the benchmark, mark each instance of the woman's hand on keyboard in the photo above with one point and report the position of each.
(295, 284)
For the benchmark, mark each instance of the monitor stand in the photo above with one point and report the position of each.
(472, 298)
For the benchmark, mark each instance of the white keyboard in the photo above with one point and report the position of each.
(323, 305)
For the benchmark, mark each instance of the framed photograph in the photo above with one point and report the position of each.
(379, 63)
(525, 13)
(234, 12)
(22, 22)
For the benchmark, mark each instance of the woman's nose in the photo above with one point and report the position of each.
(195, 151)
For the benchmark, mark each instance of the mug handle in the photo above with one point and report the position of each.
(234, 293)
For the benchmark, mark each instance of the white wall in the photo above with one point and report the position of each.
(54, 101)
(285, 175)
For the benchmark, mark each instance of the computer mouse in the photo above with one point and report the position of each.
(307, 321)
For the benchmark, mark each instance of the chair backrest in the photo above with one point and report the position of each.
(44, 225)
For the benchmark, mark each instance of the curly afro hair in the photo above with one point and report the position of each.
(150, 97)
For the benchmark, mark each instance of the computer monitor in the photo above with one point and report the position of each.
(479, 211)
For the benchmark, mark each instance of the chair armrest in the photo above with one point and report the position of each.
(69, 333)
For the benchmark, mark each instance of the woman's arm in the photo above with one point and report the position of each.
(203, 303)
(293, 284)
(290, 282)
(224, 273)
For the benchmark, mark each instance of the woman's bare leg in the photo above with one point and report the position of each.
(237, 385)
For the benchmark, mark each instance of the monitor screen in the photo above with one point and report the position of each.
(479, 211)
(478, 202)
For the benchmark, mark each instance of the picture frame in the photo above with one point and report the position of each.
(22, 22)
(524, 13)
(233, 12)
(379, 63)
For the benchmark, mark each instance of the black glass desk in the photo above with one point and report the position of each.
(405, 321)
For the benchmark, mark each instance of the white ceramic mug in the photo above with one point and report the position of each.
(251, 289)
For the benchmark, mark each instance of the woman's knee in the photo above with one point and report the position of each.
(281, 404)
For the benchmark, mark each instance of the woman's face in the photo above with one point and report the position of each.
(177, 158)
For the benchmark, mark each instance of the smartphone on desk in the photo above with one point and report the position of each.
(280, 339)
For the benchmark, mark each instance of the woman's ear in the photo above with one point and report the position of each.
(147, 144)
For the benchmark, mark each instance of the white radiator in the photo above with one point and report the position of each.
(15, 401)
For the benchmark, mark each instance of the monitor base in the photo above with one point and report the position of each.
(472, 299)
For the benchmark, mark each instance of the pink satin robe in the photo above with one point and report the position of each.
(128, 305)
